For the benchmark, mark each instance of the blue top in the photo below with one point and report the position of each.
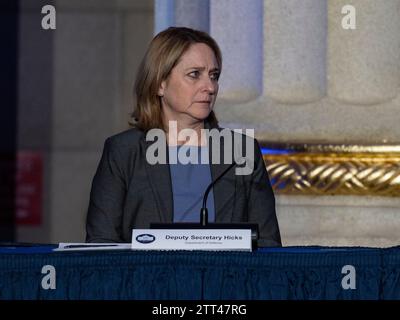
(190, 178)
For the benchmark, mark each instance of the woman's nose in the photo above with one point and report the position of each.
(210, 85)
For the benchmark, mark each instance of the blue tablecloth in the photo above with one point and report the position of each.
(268, 273)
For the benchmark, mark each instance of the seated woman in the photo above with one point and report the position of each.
(137, 183)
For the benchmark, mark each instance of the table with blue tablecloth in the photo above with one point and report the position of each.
(267, 273)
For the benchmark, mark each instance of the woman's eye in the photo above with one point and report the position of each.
(215, 76)
(194, 74)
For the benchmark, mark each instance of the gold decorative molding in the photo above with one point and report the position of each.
(333, 169)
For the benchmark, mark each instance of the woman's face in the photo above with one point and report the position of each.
(188, 94)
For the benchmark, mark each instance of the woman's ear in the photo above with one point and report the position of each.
(161, 89)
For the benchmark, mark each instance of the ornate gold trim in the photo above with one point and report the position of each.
(318, 169)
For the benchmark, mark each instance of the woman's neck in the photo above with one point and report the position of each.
(179, 133)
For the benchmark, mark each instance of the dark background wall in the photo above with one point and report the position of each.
(8, 118)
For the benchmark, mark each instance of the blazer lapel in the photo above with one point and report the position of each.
(160, 181)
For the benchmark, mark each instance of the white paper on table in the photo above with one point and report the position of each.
(65, 246)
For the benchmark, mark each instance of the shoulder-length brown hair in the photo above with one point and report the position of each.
(163, 54)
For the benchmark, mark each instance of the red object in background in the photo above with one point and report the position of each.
(29, 185)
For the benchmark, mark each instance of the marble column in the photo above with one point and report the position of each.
(294, 50)
(182, 13)
(364, 63)
(237, 27)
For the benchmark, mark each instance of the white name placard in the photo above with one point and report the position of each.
(192, 239)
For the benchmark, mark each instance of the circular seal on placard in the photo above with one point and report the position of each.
(145, 238)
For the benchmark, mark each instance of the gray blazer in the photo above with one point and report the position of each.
(128, 192)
